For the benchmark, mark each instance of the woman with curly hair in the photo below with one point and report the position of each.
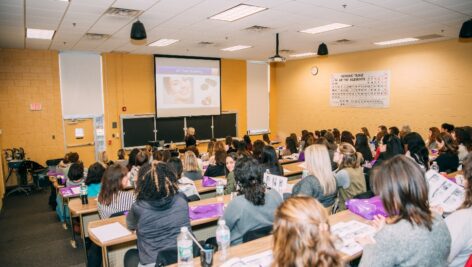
(302, 237)
(158, 213)
(254, 207)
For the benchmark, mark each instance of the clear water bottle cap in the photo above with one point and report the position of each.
(221, 222)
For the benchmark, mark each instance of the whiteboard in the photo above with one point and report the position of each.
(360, 89)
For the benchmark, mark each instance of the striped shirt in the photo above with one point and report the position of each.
(121, 201)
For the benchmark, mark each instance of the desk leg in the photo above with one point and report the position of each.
(64, 224)
(73, 243)
(82, 234)
(104, 256)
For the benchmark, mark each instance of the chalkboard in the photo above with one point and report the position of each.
(225, 125)
(202, 125)
(170, 129)
(137, 131)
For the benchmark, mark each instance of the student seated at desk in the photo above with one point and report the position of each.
(218, 167)
(112, 198)
(158, 213)
(350, 175)
(94, 179)
(416, 149)
(448, 160)
(141, 159)
(411, 235)
(320, 182)
(122, 157)
(185, 185)
(290, 147)
(301, 235)
(75, 175)
(254, 207)
(191, 168)
(458, 222)
(270, 162)
(231, 159)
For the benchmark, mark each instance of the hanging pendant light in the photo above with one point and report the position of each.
(322, 50)
(466, 30)
(137, 31)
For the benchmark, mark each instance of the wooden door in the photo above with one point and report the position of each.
(80, 138)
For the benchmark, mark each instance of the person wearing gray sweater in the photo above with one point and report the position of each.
(158, 213)
(411, 235)
(254, 207)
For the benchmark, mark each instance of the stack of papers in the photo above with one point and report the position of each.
(348, 232)
(443, 192)
(110, 232)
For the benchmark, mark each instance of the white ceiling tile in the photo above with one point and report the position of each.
(135, 4)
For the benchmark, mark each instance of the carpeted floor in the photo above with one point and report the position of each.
(31, 235)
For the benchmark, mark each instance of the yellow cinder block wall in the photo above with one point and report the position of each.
(31, 76)
(429, 85)
(129, 82)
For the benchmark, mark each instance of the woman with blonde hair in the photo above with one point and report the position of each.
(191, 168)
(301, 235)
(190, 139)
(320, 182)
(349, 175)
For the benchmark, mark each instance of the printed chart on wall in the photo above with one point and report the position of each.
(360, 89)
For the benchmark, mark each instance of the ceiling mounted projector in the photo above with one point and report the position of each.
(277, 57)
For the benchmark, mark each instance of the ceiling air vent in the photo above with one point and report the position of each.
(96, 36)
(343, 41)
(429, 37)
(122, 12)
(257, 28)
(204, 43)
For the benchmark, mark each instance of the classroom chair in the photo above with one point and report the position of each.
(256, 234)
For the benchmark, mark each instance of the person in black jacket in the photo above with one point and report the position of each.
(158, 213)
(219, 168)
(190, 139)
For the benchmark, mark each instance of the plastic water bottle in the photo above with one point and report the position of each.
(223, 239)
(220, 190)
(184, 248)
(84, 194)
(435, 166)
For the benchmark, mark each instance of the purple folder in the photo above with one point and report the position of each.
(206, 211)
(367, 208)
(67, 191)
(208, 182)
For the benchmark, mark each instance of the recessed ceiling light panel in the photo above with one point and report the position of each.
(235, 48)
(326, 28)
(397, 41)
(163, 42)
(307, 54)
(39, 34)
(238, 12)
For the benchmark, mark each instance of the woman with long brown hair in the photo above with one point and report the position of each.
(459, 222)
(411, 235)
(113, 198)
(301, 235)
(431, 142)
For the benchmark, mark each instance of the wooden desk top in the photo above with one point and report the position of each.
(293, 168)
(202, 189)
(263, 244)
(287, 161)
(122, 221)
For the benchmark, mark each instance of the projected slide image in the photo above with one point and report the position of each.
(187, 86)
(178, 90)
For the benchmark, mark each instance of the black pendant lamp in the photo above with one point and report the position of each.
(322, 50)
(137, 31)
(466, 30)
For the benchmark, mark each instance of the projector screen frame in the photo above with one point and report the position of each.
(183, 57)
